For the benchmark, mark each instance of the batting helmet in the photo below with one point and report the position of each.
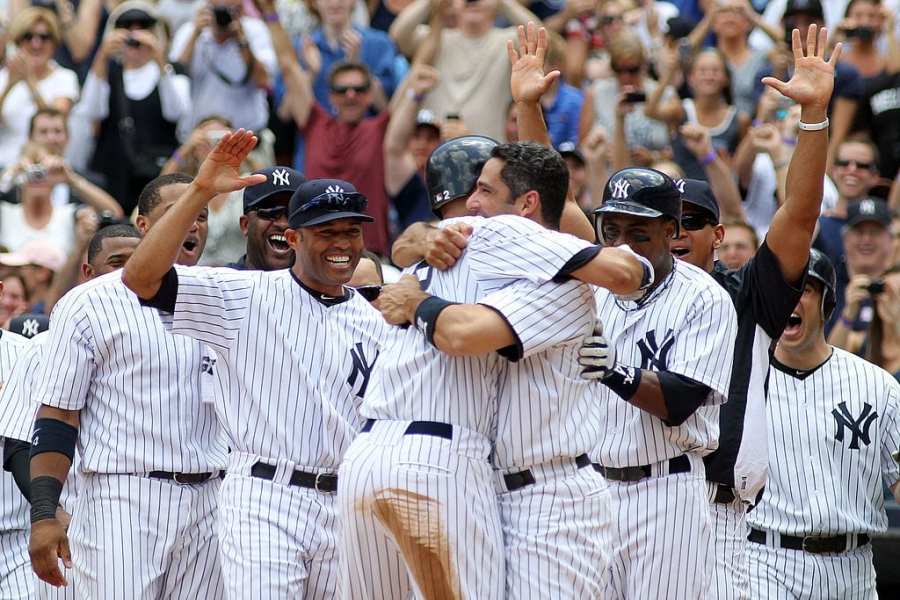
(641, 192)
(820, 268)
(454, 167)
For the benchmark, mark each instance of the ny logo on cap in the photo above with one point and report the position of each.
(281, 177)
(30, 327)
(620, 190)
(334, 189)
(867, 207)
(679, 183)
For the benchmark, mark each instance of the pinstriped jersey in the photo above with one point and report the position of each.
(294, 367)
(414, 380)
(687, 326)
(546, 409)
(831, 434)
(136, 385)
(14, 509)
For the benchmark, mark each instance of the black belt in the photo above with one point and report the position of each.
(679, 464)
(186, 478)
(321, 482)
(441, 430)
(812, 543)
(724, 494)
(520, 479)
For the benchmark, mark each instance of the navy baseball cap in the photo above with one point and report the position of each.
(319, 201)
(29, 325)
(699, 194)
(278, 180)
(869, 210)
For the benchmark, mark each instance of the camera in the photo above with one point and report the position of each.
(132, 42)
(35, 173)
(222, 16)
(635, 97)
(875, 288)
(863, 34)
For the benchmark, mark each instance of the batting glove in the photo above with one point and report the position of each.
(646, 281)
(597, 356)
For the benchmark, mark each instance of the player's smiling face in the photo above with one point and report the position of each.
(267, 246)
(327, 254)
(805, 324)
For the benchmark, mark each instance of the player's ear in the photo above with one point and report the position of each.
(293, 237)
(719, 233)
(142, 224)
(87, 271)
(531, 204)
(244, 222)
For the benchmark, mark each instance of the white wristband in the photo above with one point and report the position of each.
(814, 126)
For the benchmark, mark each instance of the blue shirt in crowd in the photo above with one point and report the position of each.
(562, 116)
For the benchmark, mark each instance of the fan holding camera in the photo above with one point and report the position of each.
(864, 23)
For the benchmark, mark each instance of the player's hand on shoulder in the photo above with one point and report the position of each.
(398, 301)
(49, 543)
(596, 356)
(445, 246)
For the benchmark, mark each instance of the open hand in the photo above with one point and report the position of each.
(220, 171)
(813, 80)
(527, 79)
(312, 57)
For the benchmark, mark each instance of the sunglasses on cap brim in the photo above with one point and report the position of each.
(336, 202)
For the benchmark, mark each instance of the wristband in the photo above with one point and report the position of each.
(756, 122)
(427, 314)
(412, 95)
(45, 493)
(709, 158)
(271, 17)
(814, 126)
(624, 381)
(53, 435)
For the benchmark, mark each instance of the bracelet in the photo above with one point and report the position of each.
(814, 126)
(271, 17)
(178, 157)
(756, 122)
(412, 95)
(709, 159)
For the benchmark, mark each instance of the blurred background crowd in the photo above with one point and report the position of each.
(97, 97)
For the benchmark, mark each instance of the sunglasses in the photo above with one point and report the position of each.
(271, 214)
(336, 201)
(369, 292)
(342, 90)
(864, 165)
(30, 35)
(696, 222)
(634, 70)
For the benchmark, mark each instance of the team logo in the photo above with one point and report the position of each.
(655, 355)
(30, 327)
(362, 368)
(281, 177)
(334, 189)
(442, 196)
(867, 207)
(858, 426)
(208, 365)
(679, 183)
(620, 190)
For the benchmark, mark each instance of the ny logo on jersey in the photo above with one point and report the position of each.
(360, 367)
(620, 190)
(208, 365)
(281, 177)
(653, 354)
(30, 327)
(859, 427)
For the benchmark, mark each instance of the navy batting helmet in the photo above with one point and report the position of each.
(641, 192)
(454, 167)
(821, 269)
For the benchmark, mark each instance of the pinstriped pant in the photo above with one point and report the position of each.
(16, 576)
(135, 537)
(419, 515)
(553, 532)
(661, 537)
(730, 579)
(780, 574)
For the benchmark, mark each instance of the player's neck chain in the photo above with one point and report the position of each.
(651, 297)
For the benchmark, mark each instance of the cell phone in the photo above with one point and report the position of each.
(685, 51)
(133, 42)
(451, 117)
(635, 97)
(864, 34)
(222, 15)
(875, 288)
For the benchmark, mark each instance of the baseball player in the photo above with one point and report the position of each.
(664, 371)
(764, 293)
(115, 382)
(107, 251)
(834, 420)
(295, 349)
(15, 579)
(418, 485)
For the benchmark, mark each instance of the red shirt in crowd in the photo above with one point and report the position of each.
(353, 153)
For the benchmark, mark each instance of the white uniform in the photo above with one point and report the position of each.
(554, 508)
(16, 578)
(416, 487)
(660, 535)
(831, 432)
(137, 388)
(294, 365)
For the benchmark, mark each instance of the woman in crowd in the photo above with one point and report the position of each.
(137, 99)
(31, 79)
(13, 297)
(882, 345)
(861, 32)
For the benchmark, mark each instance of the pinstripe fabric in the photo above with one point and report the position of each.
(430, 498)
(779, 574)
(16, 577)
(730, 580)
(136, 537)
(660, 537)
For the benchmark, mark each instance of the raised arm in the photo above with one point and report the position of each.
(721, 179)
(516, 13)
(793, 226)
(218, 174)
(408, 30)
(298, 98)
(399, 164)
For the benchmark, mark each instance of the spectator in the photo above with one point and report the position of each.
(882, 343)
(578, 174)
(869, 250)
(37, 261)
(13, 297)
(301, 17)
(739, 245)
(230, 60)
(471, 58)
(562, 104)
(178, 12)
(860, 31)
(410, 137)
(879, 115)
(589, 35)
(31, 79)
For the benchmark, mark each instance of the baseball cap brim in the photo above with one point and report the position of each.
(334, 216)
(629, 208)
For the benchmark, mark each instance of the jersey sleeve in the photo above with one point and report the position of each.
(17, 406)
(890, 435)
(543, 315)
(770, 298)
(703, 349)
(68, 361)
(510, 248)
(207, 304)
